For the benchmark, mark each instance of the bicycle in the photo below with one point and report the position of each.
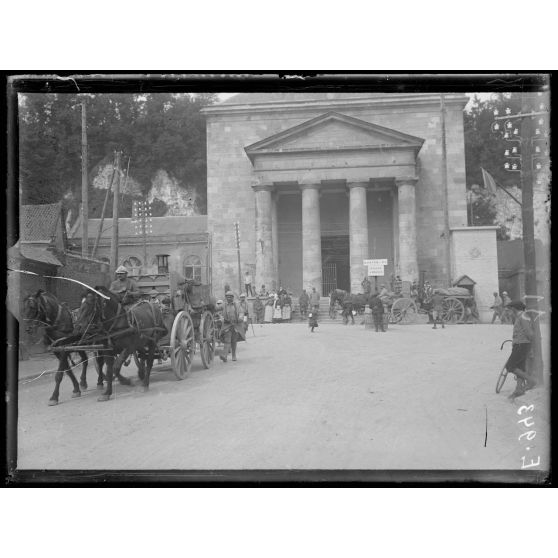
(504, 372)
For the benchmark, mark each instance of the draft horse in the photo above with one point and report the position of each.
(126, 330)
(44, 309)
(348, 302)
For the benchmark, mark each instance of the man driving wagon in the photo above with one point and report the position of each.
(124, 288)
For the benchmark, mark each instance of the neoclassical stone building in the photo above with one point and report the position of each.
(320, 182)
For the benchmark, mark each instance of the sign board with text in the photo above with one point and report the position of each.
(375, 267)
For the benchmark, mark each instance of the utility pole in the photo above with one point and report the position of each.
(114, 245)
(104, 208)
(525, 135)
(84, 183)
(527, 216)
(237, 230)
(445, 200)
(141, 217)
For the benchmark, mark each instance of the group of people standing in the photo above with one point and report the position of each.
(274, 307)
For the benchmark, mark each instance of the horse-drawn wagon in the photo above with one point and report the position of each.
(193, 329)
(115, 329)
(404, 308)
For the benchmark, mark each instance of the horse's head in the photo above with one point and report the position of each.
(33, 313)
(90, 312)
(44, 309)
(110, 307)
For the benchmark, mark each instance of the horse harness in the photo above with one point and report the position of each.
(41, 307)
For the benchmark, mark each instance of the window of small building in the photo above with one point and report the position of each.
(193, 268)
(162, 264)
(133, 265)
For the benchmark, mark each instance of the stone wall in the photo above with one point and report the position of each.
(474, 253)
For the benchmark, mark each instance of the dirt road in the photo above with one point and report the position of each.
(341, 398)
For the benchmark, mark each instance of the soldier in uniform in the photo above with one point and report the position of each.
(523, 334)
(377, 308)
(366, 285)
(232, 330)
(123, 287)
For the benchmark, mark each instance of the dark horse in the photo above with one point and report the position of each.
(125, 331)
(348, 302)
(44, 309)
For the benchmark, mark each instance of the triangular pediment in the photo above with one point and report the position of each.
(332, 132)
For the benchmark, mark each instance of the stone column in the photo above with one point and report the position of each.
(358, 233)
(408, 261)
(264, 237)
(275, 235)
(311, 238)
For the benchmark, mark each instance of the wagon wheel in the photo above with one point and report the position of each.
(207, 338)
(453, 310)
(403, 311)
(183, 344)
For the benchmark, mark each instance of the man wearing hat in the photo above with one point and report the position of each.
(233, 326)
(303, 301)
(521, 345)
(123, 285)
(153, 297)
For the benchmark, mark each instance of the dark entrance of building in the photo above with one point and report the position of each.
(336, 269)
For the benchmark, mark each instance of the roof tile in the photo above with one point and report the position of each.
(38, 222)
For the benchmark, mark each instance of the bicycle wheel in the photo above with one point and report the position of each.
(501, 379)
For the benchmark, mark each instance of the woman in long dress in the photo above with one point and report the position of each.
(277, 310)
(268, 312)
(287, 308)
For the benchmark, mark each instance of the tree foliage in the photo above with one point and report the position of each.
(157, 131)
(484, 149)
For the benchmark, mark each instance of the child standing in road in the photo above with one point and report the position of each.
(312, 319)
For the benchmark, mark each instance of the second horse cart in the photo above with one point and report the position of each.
(190, 321)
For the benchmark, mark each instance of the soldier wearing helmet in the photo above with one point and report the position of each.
(232, 330)
(123, 286)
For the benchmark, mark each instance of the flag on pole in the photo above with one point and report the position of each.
(489, 182)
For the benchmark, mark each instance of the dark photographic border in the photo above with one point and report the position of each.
(234, 82)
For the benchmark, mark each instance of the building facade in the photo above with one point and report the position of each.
(175, 248)
(320, 182)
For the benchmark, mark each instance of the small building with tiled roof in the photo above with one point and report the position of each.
(40, 260)
(174, 244)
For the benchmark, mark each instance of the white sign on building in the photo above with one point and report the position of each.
(375, 267)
